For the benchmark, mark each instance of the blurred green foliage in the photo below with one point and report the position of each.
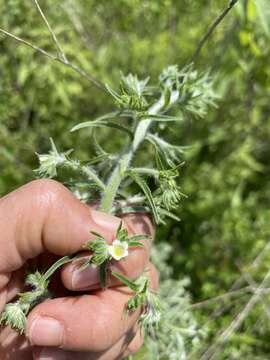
(225, 219)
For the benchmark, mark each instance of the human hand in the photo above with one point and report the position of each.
(40, 222)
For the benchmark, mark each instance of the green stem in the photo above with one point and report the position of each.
(115, 182)
(74, 165)
(92, 176)
(123, 165)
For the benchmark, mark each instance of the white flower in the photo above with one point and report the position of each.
(118, 250)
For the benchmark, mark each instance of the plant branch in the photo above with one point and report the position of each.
(249, 279)
(240, 281)
(211, 29)
(58, 46)
(51, 56)
(225, 335)
(119, 171)
(227, 296)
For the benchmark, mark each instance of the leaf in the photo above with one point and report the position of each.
(170, 154)
(102, 123)
(85, 265)
(130, 210)
(145, 188)
(166, 98)
(54, 149)
(122, 235)
(135, 244)
(113, 93)
(98, 148)
(163, 118)
(97, 159)
(64, 260)
(168, 214)
(119, 228)
(97, 235)
(140, 237)
(103, 269)
(159, 161)
(263, 7)
(133, 286)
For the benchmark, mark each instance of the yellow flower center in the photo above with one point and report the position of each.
(118, 250)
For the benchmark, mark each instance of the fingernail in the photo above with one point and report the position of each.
(46, 331)
(82, 279)
(105, 221)
(52, 354)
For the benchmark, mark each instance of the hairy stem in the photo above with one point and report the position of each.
(123, 165)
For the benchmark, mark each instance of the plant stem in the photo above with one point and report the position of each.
(115, 182)
(119, 171)
(92, 176)
(72, 66)
(209, 32)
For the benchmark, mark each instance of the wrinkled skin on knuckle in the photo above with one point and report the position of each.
(40, 197)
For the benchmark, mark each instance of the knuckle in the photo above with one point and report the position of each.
(47, 192)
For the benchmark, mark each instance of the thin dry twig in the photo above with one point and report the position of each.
(249, 279)
(230, 294)
(72, 66)
(58, 46)
(235, 288)
(225, 335)
(240, 281)
(211, 29)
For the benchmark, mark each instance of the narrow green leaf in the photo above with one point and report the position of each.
(53, 145)
(140, 237)
(102, 123)
(97, 235)
(163, 118)
(159, 161)
(85, 265)
(131, 209)
(122, 235)
(145, 188)
(98, 148)
(64, 260)
(119, 228)
(135, 244)
(146, 171)
(97, 159)
(169, 214)
(103, 270)
(112, 92)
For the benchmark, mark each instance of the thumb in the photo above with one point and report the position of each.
(45, 216)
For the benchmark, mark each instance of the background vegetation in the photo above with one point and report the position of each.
(222, 241)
